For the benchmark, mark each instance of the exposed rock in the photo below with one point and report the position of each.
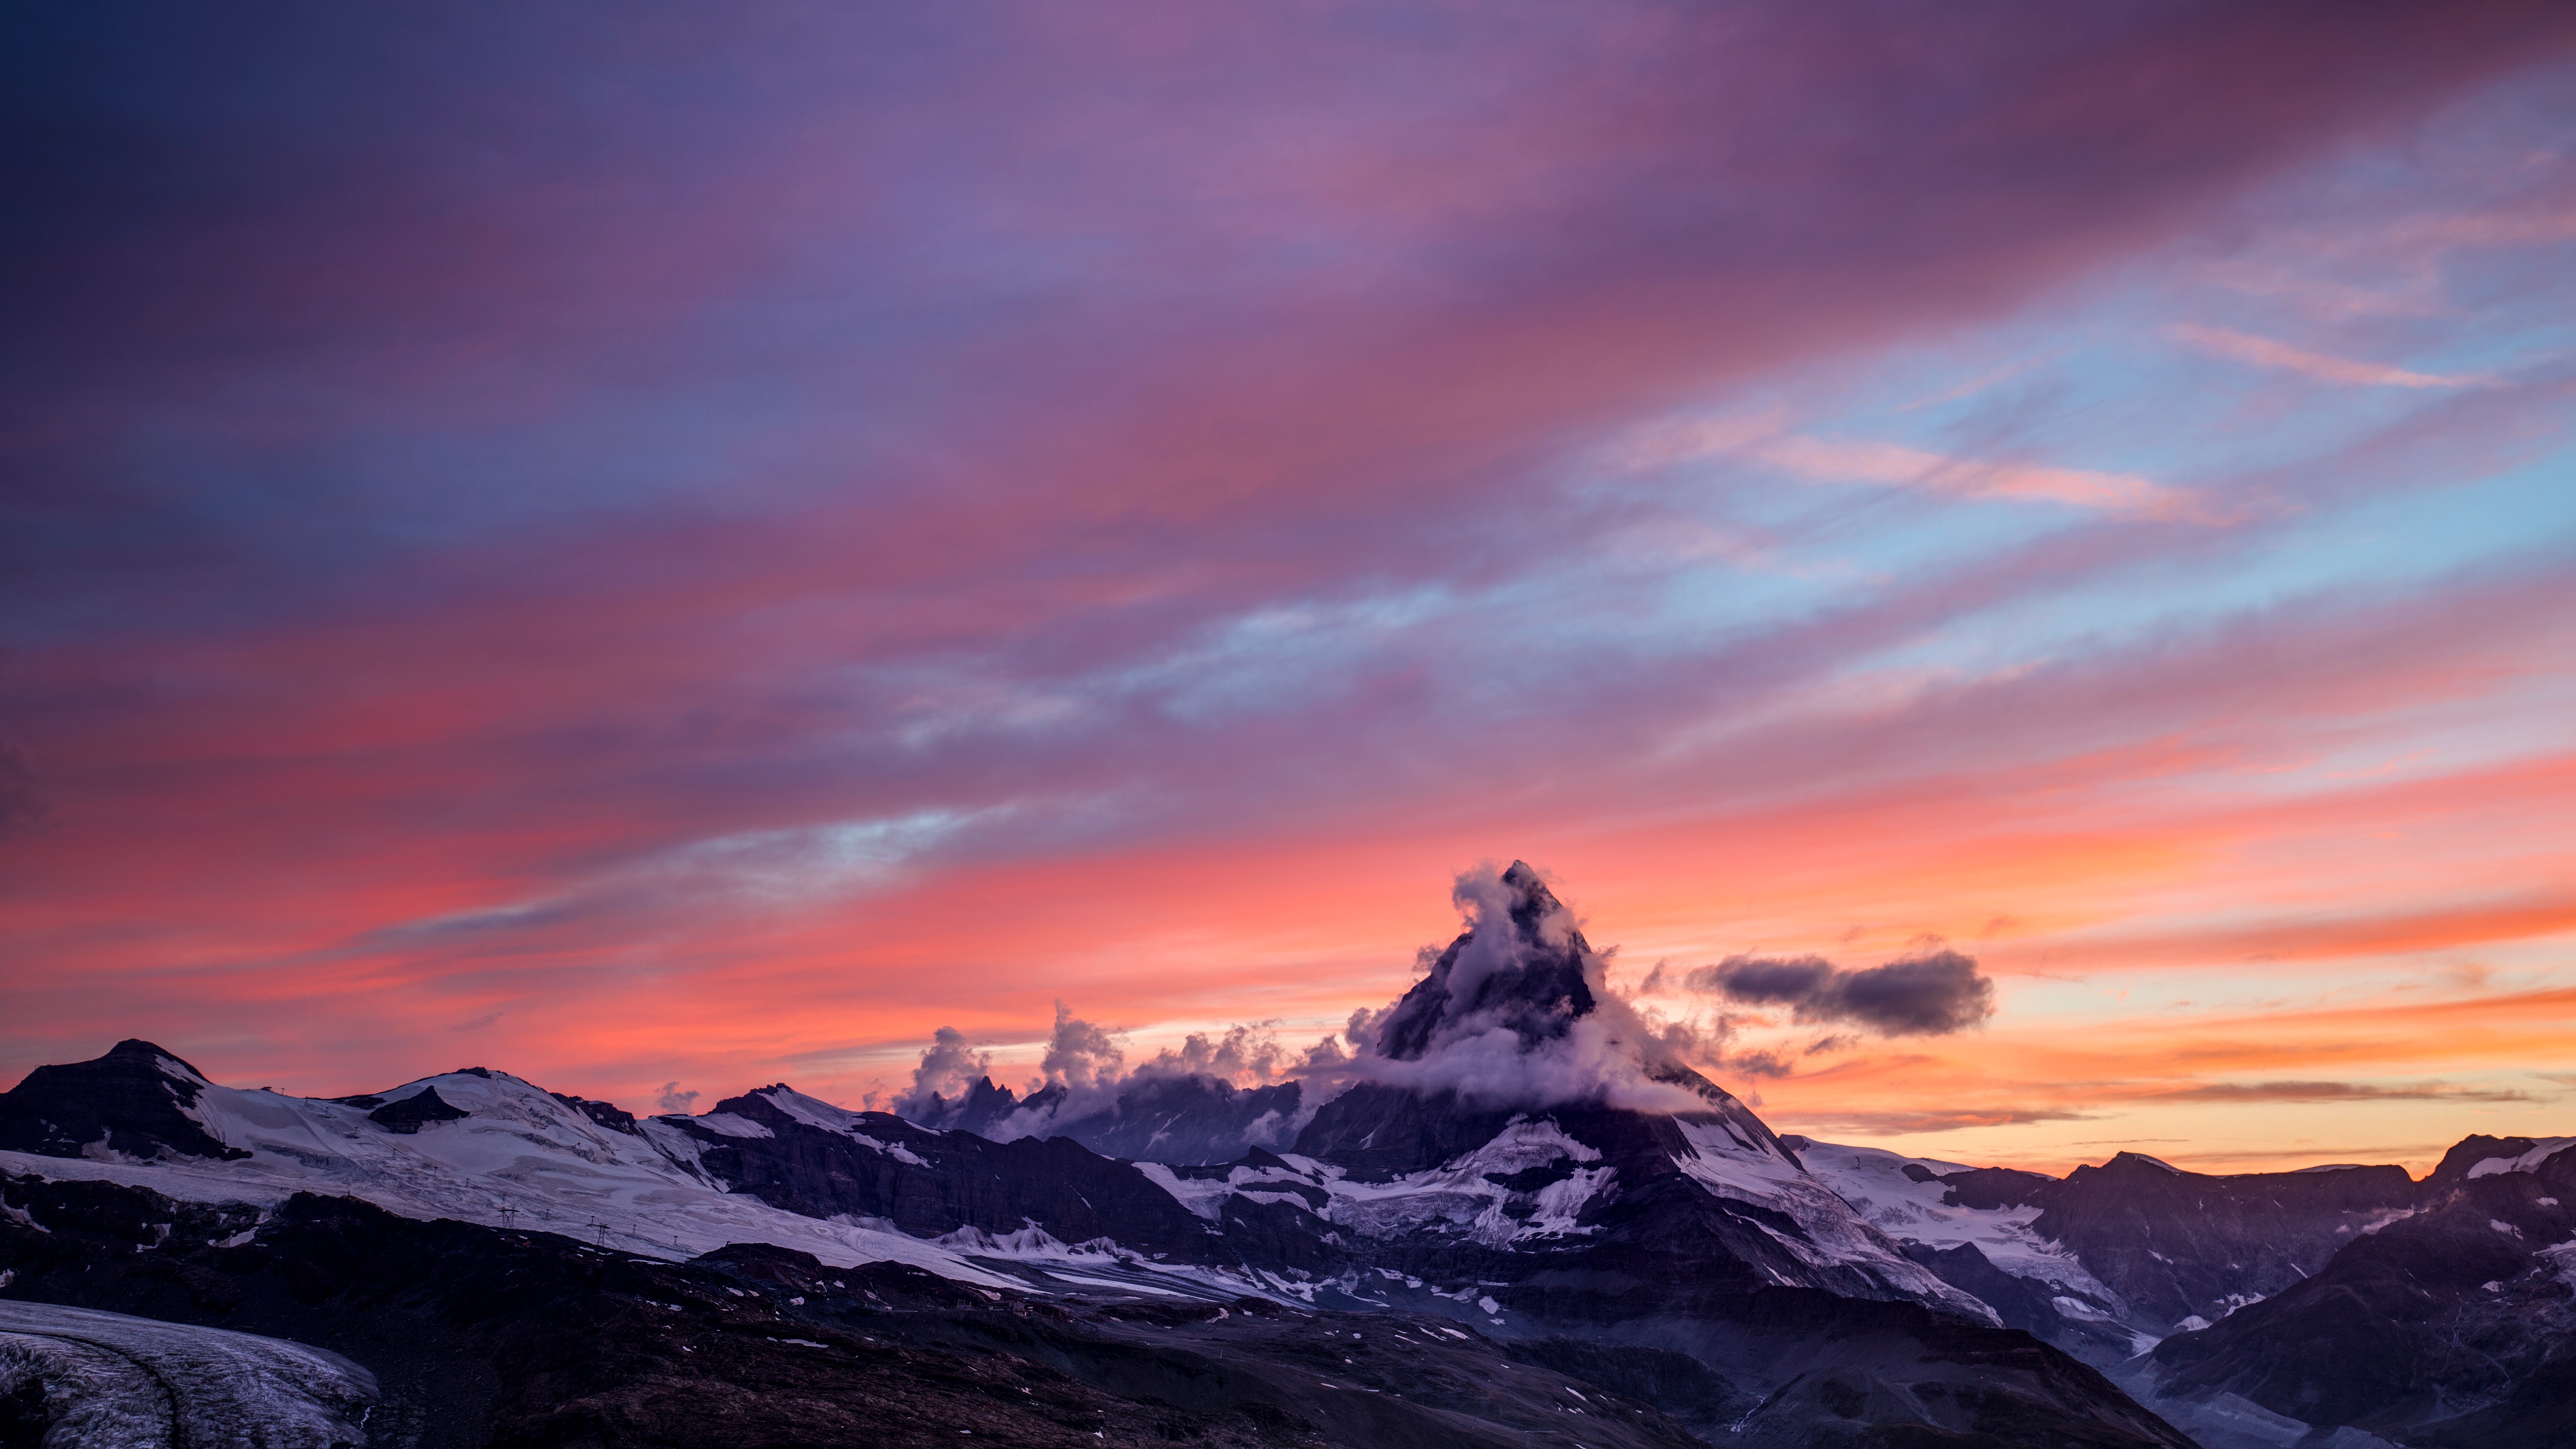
(416, 1111)
(2178, 1244)
(929, 1183)
(2453, 1326)
(1537, 992)
(131, 1102)
(606, 1114)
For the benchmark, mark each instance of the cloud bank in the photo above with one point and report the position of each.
(1517, 1012)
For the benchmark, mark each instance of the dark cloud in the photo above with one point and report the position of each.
(1931, 994)
(2337, 1092)
(673, 1099)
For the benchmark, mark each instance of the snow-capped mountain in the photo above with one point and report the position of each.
(1682, 1242)
(492, 1149)
(1511, 1168)
(2269, 1309)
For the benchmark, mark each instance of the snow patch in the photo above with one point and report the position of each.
(1874, 1182)
(815, 1112)
(2547, 1148)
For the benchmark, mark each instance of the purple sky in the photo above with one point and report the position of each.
(697, 545)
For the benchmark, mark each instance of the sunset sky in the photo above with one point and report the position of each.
(698, 545)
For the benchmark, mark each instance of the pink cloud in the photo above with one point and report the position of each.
(2263, 352)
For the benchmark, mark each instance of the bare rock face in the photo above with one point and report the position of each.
(927, 1183)
(132, 1102)
(1531, 978)
(416, 1111)
(2455, 1326)
(606, 1114)
(2182, 1244)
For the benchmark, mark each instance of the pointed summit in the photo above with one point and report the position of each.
(1532, 901)
(1519, 964)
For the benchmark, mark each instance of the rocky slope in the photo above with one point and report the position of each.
(2454, 1326)
(2280, 1308)
(478, 1336)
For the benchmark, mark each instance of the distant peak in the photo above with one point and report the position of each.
(1532, 901)
(135, 1049)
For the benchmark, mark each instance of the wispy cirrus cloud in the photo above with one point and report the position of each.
(2264, 352)
(1910, 1121)
(1766, 439)
(2337, 1092)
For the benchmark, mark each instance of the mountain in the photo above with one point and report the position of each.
(1512, 1218)
(1151, 1117)
(2262, 1309)
(137, 1101)
(2454, 1325)
(472, 1336)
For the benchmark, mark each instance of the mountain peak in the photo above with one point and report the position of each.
(1519, 964)
(136, 1099)
(135, 1051)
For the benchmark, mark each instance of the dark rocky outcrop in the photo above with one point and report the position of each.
(1990, 1187)
(2177, 1244)
(2447, 1327)
(132, 1102)
(2471, 1150)
(2025, 1303)
(981, 1108)
(1180, 1118)
(606, 1114)
(1380, 1132)
(1154, 1116)
(929, 1183)
(416, 1111)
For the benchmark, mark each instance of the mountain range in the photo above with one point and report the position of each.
(1513, 1219)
